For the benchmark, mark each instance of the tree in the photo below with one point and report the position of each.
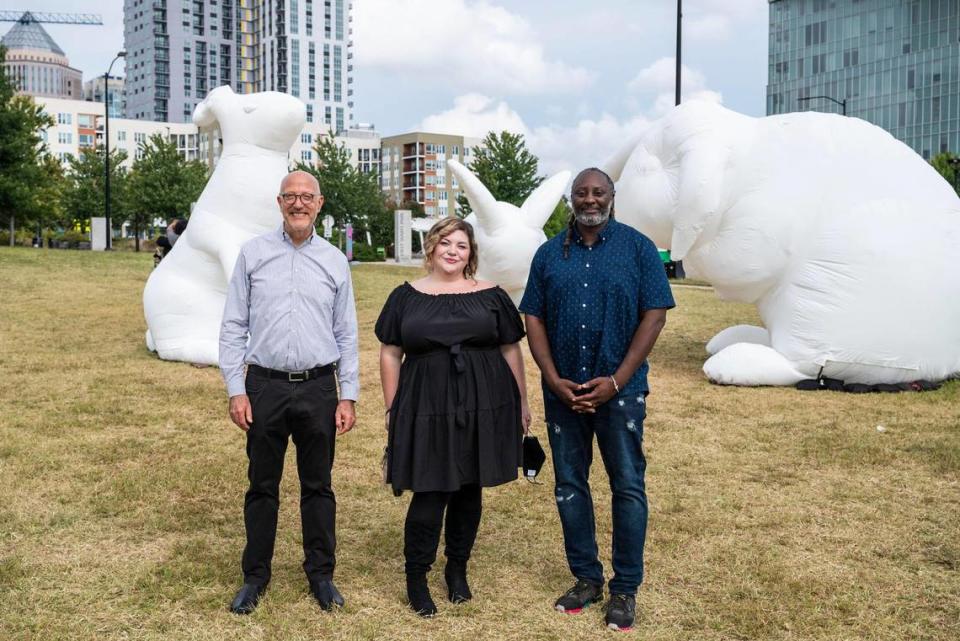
(49, 197)
(162, 184)
(942, 163)
(21, 149)
(350, 196)
(506, 167)
(83, 195)
(559, 219)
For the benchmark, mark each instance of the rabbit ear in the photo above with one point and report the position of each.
(481, 200)
(614, 165)
(538, 206)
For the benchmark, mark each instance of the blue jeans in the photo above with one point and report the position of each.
(618, 425)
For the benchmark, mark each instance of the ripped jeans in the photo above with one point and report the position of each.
(618, 425)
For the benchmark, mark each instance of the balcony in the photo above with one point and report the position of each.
(413, 150)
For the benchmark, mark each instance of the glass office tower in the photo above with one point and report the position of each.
(895, 63)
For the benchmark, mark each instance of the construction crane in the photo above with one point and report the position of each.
(26, 17)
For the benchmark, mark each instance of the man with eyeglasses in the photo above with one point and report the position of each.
(289, 333)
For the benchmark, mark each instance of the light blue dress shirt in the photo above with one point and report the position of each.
(295, 304)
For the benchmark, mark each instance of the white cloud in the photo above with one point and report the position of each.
(475, 45)
(656, 82)
(715, 19)
(660, 77)
(589, 141)
(474, 115)
(558, 147)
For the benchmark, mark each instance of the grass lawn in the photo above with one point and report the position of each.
(775, 514)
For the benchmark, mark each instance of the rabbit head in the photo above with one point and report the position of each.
(268, 119)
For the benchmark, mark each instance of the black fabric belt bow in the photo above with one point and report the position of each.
(459, 366)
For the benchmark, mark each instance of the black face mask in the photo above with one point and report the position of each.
(533, 457)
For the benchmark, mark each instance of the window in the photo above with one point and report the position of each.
(306, 155)
(911, 79)
(65, 138)
(65, 118)
(815, 33)
(820, 63)
(851, 58)
(306, 138)
(85, 121)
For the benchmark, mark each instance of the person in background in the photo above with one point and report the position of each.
(165, 242)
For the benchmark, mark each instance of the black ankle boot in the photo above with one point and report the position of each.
(418, 593)
(458, 591)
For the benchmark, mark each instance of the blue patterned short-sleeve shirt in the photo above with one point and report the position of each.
(592, 301)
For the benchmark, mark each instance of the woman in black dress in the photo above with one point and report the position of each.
(453, 383)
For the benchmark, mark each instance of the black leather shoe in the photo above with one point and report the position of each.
(326, 594)
(247, 598)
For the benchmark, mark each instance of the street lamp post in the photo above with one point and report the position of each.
(676, 99)
(106, 145)
(842, 103)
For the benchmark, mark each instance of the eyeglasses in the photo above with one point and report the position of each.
(306, 199)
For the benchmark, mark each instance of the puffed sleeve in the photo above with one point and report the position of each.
(509, 325)
(387, 328)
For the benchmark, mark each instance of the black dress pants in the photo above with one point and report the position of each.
(421, 532)
(305, 411)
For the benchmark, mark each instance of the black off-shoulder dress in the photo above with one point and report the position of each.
(456, 417)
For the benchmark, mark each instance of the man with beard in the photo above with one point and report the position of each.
(595, 302)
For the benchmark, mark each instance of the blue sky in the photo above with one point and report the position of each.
(574, 77)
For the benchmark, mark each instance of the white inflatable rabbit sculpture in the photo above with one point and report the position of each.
(184, 296)
(508, 236)
(846, 240)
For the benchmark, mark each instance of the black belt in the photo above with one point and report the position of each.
(293, 377)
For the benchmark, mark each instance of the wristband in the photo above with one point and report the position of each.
(615, 386)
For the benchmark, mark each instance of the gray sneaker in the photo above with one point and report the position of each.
(621, 612)
(581, 595)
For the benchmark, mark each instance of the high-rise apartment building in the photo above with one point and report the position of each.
(895, 63)
(179, 50)
(414, 169)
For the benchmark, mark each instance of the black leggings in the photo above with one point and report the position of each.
(421, 531)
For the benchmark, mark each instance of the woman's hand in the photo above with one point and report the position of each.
(525, 417)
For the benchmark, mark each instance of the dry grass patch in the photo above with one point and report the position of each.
(775, 514)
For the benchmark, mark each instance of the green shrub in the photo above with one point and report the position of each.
(365, 253)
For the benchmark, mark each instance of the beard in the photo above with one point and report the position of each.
(594, 220)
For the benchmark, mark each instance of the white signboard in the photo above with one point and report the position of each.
(327, 226)
(98, 233)
(401, 235)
